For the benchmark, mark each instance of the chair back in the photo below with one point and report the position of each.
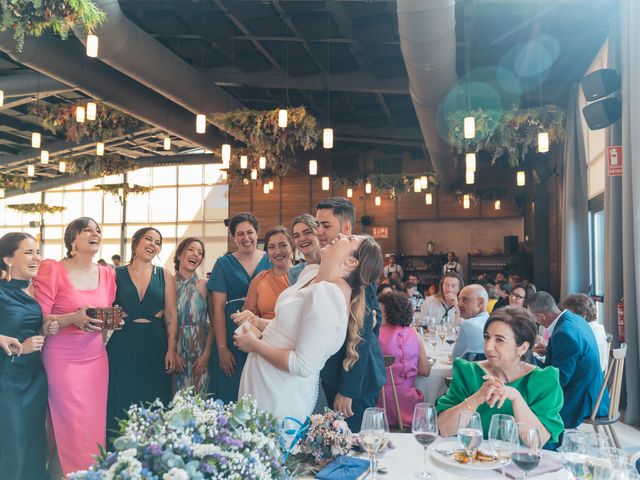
(612, 380)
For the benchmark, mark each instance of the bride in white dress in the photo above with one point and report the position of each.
(313, 318)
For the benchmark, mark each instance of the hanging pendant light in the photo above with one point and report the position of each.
(271, 185)
(313, 167)
(325, 183)
(349, 192)
(470, 177)
(226, 155)
(470, 162)
(466, 201)
(254, 174)
(428, 198)
(521, 179)
(469, 127)
(497, 205)
(201, 123)
(62, 166)
(31, 170)
(100, 149)
(1, 98)
(417, 185)
(378, 201)
(262, 163)
(1, 192)
(224, 175)
(35, 140)
(80, 114)
(367, 187)
(92, 46)
(44, 157)
(543, 142)
(244, 162)
(245, 181)
(282, 118)
(424, 182)
(166, 143)
(327, 138)
(92, 110)
(265, 188)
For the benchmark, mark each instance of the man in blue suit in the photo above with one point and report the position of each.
(573, 350)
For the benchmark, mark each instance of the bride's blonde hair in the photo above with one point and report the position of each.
(369, 269)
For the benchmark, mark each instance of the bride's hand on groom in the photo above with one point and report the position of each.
(245, 342)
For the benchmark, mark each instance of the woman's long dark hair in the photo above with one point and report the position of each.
(135, 240)
(9, 243)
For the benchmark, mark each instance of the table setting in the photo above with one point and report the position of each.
(438, 342)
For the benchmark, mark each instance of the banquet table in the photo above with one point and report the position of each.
(433, 386)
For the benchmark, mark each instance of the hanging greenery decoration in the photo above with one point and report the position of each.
(109, 123)
(481, 194)
(33, 17)
(122, 190)
(17, 182)
(264, 138)
(391, 184)
(99, 166)
(40, 208)
(513, 132)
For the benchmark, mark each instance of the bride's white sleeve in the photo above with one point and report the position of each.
(322, 330)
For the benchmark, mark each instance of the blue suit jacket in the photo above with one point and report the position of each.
(573, 350)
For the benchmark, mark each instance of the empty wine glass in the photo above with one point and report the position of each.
(425, 430)
(574, 453)
(599, 464)
(442, 333)
(527, 448)
(373, 435)
(500, 432)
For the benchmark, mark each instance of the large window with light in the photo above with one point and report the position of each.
(596, 251)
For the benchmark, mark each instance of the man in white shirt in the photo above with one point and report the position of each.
(452, 265)
(472, 304)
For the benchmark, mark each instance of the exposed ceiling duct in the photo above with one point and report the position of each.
(132, 51)
(428, 44)
(65, 61)
(30, 83)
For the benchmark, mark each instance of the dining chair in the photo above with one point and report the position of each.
(389, 360)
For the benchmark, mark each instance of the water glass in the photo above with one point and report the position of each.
(500, 433)
(574, 453)
(374, 433)
(599, 463)
(424, 428)
(527, 448)
(470, 433)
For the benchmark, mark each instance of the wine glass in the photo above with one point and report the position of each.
(500, 431)
(452, 336)
(373, 434)
(470, 433)
(527, 448)
(599, 463)
(574, 453)
(425, 430)
(442, 334)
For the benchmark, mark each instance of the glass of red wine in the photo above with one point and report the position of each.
(527, 449)
(425, 430)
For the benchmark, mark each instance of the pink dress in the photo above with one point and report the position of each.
(76, 365)
(402, 343)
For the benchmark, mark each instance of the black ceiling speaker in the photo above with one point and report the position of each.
(226, 222)
(599, 84)
(366, 220)
(603, 113)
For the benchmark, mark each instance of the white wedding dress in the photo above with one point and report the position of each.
(311, 321)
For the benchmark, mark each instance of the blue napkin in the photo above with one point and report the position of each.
(344, 468)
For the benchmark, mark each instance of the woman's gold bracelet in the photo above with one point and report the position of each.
(468, 405)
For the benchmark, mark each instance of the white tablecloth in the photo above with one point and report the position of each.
(433, 386)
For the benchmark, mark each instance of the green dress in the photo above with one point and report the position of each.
(137, 351)
(540, 388)
(23, 389)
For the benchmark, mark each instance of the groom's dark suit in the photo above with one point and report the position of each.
(363, 381)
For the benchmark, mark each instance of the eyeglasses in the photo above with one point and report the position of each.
(515, 295)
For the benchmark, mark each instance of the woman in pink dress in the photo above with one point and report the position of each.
(397, 338)
(75, 359)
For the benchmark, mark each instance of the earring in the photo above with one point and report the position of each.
(8, 276)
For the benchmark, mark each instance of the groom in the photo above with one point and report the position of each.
(352, 391)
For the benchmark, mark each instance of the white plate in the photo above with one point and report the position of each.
(452, 444)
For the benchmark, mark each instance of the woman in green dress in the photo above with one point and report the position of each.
(504, 383)
(228, 285)
(23, 383)
(142, 355)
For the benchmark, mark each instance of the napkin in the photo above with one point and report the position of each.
(344, 468)
(548, 463)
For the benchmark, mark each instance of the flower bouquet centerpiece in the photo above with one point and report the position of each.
(193, 439)
(321, 439)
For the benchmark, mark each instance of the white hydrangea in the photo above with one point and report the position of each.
(176, 474)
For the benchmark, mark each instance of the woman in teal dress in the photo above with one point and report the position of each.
(504, 382)
(228, 285)
(142, 355)
(195, 337)
(23, 383)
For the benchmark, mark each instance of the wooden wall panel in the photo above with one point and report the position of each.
(449, 207)
(239, 199)
(295, 198)
(383, 216)
(266, 207)
(508, 208)
(411, 206)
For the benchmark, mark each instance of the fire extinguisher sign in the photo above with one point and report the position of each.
(614, 161)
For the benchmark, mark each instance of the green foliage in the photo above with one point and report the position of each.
(390, 184)
(40, 208)
(19, 182)
(122, 190)
(98, 166)
(479, 194)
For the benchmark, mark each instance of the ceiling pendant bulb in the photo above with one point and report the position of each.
(349, 192)
(36, 139)
(497, 205)
(1, 98)
(325, 183)
(543, 142)
(1, 192)
(271, 185)
(327, 138)
(254, 174)
(470, 177)
(428, 198)
(378, 201)
(201, 123)
(245, 181)
(367, 187)
(424, 182)
(469, 127)
(265, 188)
(521, 179)
(226, 155)
(224, 174)
(100, 149)
(417, 185)
(470, 162)
(80, 114)
(166, 143)
(262, 163)
(44, 157)
(92, 46)
(466, 201)
(313, 167)
(92, 110)
(31, 170)
(62, 167)
(282, 118)
(244, 162)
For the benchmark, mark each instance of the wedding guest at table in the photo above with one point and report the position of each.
(493, 295)
(115, 260)
(394, 281)
(583, 305)
(472, 303)
(573, 350)
(75, 359)
(398, 339)
(452, 265)
(383, 289)
(227, 286)
(411, 289)
(143, 354)
(305, 237)
(503, 289)
(515, 280)
(392, 267)
(443, 305)
(23, 383)
(504, 383)
(499, 278)
(520, 294)
(195, 335)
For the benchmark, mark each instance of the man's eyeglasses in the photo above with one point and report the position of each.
(515, 295)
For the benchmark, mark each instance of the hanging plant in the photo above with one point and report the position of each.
(482, 194)
(17, 182)
(40, 208)
(122, 190)
(109, 123)
(33, 17)
(98, 166)
(390, 184)
(259, 130)
(513, 132)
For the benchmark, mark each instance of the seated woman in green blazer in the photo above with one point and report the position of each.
(504, 383)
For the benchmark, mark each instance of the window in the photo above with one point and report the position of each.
(596, 252)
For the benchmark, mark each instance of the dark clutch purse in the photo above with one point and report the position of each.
(110, 316)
